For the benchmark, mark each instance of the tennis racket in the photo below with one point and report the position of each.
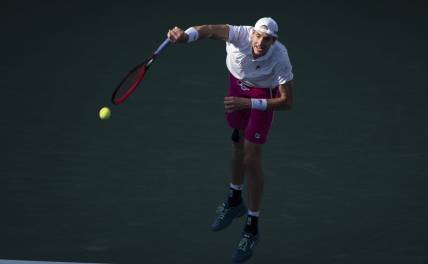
(134, 77)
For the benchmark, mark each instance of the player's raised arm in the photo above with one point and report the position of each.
(177, 35)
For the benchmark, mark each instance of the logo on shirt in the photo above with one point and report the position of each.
(257, 136)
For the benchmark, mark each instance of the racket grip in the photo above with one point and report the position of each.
(162, 46)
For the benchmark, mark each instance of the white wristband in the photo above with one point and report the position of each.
(259, 104)
(192, 34)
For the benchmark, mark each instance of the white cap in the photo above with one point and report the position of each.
(267, 25)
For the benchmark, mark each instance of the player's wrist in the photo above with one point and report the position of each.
(192, 34)
(259, 104)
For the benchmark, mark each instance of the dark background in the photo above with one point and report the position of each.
(346, 169)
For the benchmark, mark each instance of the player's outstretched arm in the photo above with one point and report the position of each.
(177, 35)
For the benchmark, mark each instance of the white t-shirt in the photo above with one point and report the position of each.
(267, 71)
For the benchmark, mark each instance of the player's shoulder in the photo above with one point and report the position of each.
(280, 55)
(280, 48)
(281, 51)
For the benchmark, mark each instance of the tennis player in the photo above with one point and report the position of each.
(260, 82)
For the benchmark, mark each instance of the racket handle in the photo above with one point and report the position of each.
(162, 46)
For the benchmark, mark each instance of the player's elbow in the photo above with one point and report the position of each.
(285, 104)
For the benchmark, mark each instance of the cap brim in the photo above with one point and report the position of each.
(270, 33)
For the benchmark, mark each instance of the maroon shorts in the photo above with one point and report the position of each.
(255, 123)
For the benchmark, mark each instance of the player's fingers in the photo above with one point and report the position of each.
(171, 36)
(229, 99)
(229, 104)
(229, 108)
(174, 32)
(177, 30)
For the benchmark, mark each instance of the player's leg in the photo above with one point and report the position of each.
(255, 184)
(256, 134)
(237, 157)
(237, 166)
(234, 206)
(254, 171)
(238, 121)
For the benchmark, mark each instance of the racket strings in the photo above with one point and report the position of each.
(129, 84)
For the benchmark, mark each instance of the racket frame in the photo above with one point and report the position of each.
(143, 67)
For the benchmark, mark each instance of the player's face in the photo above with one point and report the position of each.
(261, 42)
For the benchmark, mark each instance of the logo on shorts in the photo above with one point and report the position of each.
(243, 86)
(257, 136)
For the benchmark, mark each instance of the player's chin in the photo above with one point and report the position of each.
(259, 51)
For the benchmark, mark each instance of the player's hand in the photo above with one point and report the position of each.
(232, 103)
(177, 35)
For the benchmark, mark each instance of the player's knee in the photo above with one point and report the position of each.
(235, 136)
(237, 140)
(252, 160)
(252, 155)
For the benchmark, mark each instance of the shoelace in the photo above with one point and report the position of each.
(222, 211)
(243, 244)
(245, 241)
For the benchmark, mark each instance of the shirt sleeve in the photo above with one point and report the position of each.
(284, 71)
(238, 34)
(284, 77)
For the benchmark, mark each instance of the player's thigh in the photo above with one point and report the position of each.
(259, 126)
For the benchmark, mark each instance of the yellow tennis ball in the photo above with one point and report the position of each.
(104, 113)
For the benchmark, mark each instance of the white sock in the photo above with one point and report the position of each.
(236, 187)
(256, 214)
